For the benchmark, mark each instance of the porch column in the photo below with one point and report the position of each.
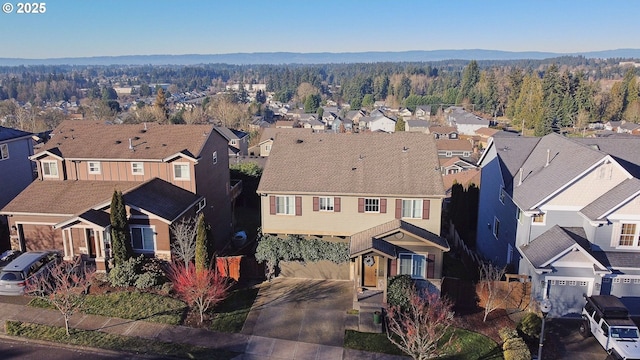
(69, 255)
(385, 277)
(100, 251)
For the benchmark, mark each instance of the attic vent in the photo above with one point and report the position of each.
(506, 148)
(136, 138)
(594, 147)
(299, 141)
(143, 131)
(353, 169)
(405, 149)
(118, 142)
(164, 144)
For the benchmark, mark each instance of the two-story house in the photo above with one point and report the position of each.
(238, 141)
(165, 172)
(566, 212)
(466, 122)
(377, 122)
(381, 193)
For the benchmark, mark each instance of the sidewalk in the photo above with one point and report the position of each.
(250, 346)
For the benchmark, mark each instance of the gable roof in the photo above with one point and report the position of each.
(11, 134)
(486, 132)
(81, 139)
(454, 144)
(230, 134)
(161, 198)
(612, 199)
(65, 197)
(623, 149)
(566, 160)
(403, 163)
(370, 239)
(271, 133)
(554, 243)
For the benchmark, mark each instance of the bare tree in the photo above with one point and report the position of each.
(491, 290)
(65, 286)
(421, 329)
(184, 244)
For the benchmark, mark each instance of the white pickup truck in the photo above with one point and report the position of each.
(607, 319)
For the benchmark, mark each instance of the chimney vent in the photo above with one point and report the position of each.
(130, 144)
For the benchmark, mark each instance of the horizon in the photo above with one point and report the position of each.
(103, 28)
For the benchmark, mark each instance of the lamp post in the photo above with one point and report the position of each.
(545, 307)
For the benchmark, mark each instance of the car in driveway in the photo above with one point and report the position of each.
(607, 319)
(14, 276)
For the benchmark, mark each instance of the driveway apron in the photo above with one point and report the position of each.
(310, 311)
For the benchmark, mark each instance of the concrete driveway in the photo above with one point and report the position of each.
(309, 311)
(563, 341)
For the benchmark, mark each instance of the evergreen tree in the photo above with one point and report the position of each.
(202, 248)
(120, 237)
(400, 124)
(470, 77)
(161, 102)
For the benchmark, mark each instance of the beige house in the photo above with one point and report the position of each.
(381, 193)
(165, 172)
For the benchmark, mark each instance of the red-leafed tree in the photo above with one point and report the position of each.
(201, 289)
(421, 329)
(64, 287)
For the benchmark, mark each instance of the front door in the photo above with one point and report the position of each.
(91, 243)
(370, 264)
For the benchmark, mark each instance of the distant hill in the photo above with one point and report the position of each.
(316, 58)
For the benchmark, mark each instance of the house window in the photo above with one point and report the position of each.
(572, 283)
(466, 154)
(583, 283)
(326, 204)
(181, 171)
(142, 238)
(215, 157)
(616, 280)
(636, 281)
(628, 234)
(267, 147)
(201, 204)
(137, 168)
(233, 142)
(412, 264)
(562, 282)
(94, 167)
(448, 154)
(285, 205)
(518, 214)
(371, 205)
(626, 281)
(50, 168)
(538, 219)
(496, 227)
(412, 209)
(4, 151)
(502, 195)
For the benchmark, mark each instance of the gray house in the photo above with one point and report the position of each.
(565, 212)
(16, 170)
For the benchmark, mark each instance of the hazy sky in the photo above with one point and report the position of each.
(77, 28)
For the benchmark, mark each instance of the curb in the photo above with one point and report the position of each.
(87, 349)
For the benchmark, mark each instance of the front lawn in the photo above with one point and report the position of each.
(131, 305)
(230, 315)
(114, 342)
(473, 346)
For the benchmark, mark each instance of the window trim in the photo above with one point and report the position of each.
(97, 169)
(139, 226)
(413, 209)
(502, 195)
(182, 178)
(496, 227)
(289, 204)
(423, 276)
(330, 205)
(539, 223)
(635, 242)
(215, 157)
(140, 169)
(377, 205)
(4, 151)
(49, 162)
(201, 205)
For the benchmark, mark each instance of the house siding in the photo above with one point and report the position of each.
(346, 222)
(16, 171)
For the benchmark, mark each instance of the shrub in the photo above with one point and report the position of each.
(513, 346)
(126, 273)
(529, 326)
(397, 290)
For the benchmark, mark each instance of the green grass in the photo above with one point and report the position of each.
(230, 315)
(114, 342)
(130, 305)
(472, 346)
